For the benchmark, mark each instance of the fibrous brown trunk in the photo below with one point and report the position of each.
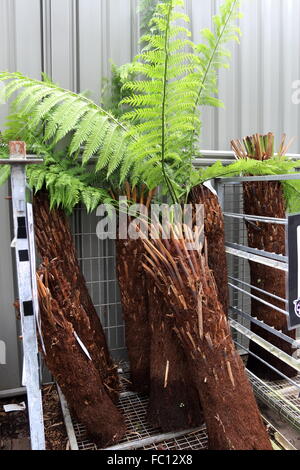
(215, 236)
(174, 402)
(55, 242)
(134, 301)
(230, 410)
(74, 371)
(157, 361)
(267, 199)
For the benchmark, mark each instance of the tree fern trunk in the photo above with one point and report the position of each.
(55, 242)
(230, 410)
(134, 301)
(76, 374)
(214, 232)
(174, 402)
(267, 199)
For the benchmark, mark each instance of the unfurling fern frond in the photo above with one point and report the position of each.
(66, 114)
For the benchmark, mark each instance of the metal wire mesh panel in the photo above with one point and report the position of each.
(98, 262)
(193, 441)
(235, 232)
(282, 395)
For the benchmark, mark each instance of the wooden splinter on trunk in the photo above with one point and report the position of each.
(266, 198)
(230, 410)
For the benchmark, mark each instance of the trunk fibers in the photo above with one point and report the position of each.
(55, 242)
(135, 311)
(174, 402)
(215, 236)
(216, 369)
(75, 373)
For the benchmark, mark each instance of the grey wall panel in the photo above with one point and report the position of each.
(10, 371)
(62, 18)
(108, 31)
(90, 46)
(201, 18)
(20, 50)
(250, 84)
(290, 66)
(28, 37)
(263, 69)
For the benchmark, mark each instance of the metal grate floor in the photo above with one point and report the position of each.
(140, 435)
(193, 441)
(281, 396)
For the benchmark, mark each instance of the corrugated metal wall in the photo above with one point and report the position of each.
(73, 40)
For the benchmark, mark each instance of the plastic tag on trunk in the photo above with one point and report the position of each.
(208, 185)
(82, 346)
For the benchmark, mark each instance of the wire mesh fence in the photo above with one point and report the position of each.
(98, 262)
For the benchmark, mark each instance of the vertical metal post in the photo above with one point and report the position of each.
(27, 293)
(220, 189)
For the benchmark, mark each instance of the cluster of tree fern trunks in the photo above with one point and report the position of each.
(192, 376)
(178, 338)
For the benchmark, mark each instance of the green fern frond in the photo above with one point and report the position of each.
(245, 166)
(63, 113)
